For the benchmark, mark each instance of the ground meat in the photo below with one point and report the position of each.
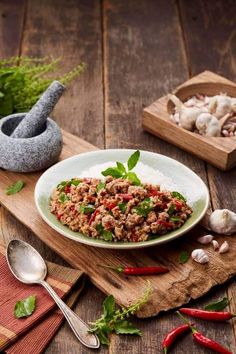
(120, 211)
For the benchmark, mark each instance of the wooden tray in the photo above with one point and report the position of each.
(183, 282)
(220, 152)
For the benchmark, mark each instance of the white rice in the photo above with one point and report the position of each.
(146, 174)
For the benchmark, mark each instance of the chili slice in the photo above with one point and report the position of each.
(93, 216)
(126, 197)
(138, 270)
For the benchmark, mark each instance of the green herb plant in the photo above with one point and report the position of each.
(120, 171)
(24, 79)
(15, 187)
(115, 320)
(25, 308)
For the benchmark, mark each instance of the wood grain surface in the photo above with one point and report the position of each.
(137, 51)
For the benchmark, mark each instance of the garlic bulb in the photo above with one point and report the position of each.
(220, 105)
(223, 221)
(215, 244)
(204, 240)
(187, 115)
(224, 247)
(200, 256)
(208, 125)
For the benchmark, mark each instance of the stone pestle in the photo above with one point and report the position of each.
(36, 118)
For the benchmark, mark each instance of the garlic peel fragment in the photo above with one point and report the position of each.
(204, 240)
(200, 256)
(215, 244)
(224, 247)
(223, 221)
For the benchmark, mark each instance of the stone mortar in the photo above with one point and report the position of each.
(28, 154)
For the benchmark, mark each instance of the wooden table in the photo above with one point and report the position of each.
(135, 52)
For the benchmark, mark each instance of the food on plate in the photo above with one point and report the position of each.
(117, 209)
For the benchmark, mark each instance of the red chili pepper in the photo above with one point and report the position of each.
(178, 204)
(154, 192)
(204, 341)
(126, 197)
(58, 216)
(67, 189)
(172, 335)
(209, 343)
(93, 216)
(165, 223)
(207, 315)
(138, 270)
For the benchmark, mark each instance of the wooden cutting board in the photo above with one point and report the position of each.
(170, 290)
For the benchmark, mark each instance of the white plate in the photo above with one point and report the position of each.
(185, 179)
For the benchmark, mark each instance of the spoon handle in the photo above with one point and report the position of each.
(78, 326)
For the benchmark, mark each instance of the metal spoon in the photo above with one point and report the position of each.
(28, 266)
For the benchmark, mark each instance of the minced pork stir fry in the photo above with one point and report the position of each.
(118, 210)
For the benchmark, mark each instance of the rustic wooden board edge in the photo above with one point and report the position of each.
(220, 152)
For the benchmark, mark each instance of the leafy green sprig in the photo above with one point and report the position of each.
(115, 320)
(24, 79)
(120, 171)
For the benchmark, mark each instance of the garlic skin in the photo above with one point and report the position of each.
(223, 221)
(224, 247)
(216, 245)
(233, 104)
(187, 115)
(204, 240)
(208, 125)
(200, 256)
(220, 105)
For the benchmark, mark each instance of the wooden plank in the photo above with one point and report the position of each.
(182, 283)
(210, 35)
(201, 33)
(71, 30)
(12, 14)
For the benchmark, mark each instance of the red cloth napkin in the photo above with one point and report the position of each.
(32, 334)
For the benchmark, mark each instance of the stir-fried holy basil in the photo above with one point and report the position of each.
(75, 181)
(100, 186)
(144, 207)
(178, 196)
(122, 207)
(184, 257)
(63, 197)
(105, 234)
(119, 171)
(86, 209)
(171, 209)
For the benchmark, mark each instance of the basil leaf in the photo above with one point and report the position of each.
(133, 160)
(178, 196)
(112, 171)
(61, 185)
(75, 181)
(86, 209)
(121, 167)
(125, 327)
(25, 308)
(103, 336)
(99, 228)
(133, 178)
(144, 207)
(107, 235)
(219, 305)
(171, 209)
(122, 207)
(183, 257)
(175, 218)
(109, 307)
(63, 198)
(15, 188)
(100, 186)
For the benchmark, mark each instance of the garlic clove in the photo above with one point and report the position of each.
(216, 245)
(204, 240)
(208, 125)
(224, 247)
(223, 221)
(200, 256)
